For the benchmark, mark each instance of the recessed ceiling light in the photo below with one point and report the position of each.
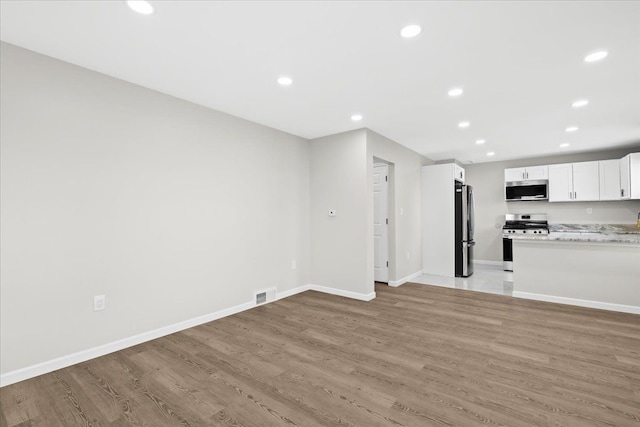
(140, 6)
(491, 153)
(480, 141)
(564, 145)
(356, 117)
(410, 31)
(285, 81)
(596, 56)
(464, 124)
(580, 103)
(456, 91)
(571, 129)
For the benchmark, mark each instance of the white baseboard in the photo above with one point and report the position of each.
(102, 350)
(396, 283)
(340, 292)
(485, 262)
(579, 302)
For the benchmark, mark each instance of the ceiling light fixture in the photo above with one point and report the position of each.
(356, 117)
(140, 6)
(410, 31)
(564, 145)
(491, 153)
(580, 103)
(596, 56)
(480, 141)
(571, 129)
(456, 91)
(464, 125)
(285, 81)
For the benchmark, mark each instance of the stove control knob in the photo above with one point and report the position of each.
(524, 231)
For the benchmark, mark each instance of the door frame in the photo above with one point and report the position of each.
(391, 229)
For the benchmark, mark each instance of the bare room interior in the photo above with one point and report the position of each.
(314, 213)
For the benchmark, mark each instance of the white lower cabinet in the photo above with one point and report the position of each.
(573, 182)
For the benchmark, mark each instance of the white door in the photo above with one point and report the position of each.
(610, 179)
(586, 181)
(514, 174)
(537, 172)
(380, 223)
(560, 183)
(625, 177)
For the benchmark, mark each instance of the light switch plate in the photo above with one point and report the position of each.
(99, 302)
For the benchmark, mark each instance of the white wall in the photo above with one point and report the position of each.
(338, 181)
(170, 209)
(405, 244)
(488, 182)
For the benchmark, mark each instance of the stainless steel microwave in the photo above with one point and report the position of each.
(526, 190)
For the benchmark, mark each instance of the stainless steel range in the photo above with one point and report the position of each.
(520, 224)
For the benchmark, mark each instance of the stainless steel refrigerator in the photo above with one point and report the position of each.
(464, 223)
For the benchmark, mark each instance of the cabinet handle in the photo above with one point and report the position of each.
(575, 195)
(570, 195)
(622, 192)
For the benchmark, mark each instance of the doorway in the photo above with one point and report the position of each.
(381, 222)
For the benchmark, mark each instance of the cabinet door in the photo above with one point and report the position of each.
(609, 179)
(586, 181)
(458, 173)
(625, 177)
(515, 174)
(634, 175)
(561, 183)
(537, 173)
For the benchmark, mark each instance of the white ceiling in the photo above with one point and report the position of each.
(520, 64)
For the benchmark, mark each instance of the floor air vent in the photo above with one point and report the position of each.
(265, 296)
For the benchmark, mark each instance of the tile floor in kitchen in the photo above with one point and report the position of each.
(485, 278)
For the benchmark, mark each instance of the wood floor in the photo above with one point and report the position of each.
(417, 355)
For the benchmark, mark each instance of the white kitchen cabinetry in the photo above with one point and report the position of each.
(458, 173)
(630, 176)
(574, 182)
(609, 179)
(532, 173)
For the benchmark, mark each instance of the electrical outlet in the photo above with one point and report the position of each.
(589, 211)
(294, 265)
(99, 302)
(332, 212)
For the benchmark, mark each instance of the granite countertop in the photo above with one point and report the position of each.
(603, 233)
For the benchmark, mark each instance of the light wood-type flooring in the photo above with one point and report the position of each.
(417, 355)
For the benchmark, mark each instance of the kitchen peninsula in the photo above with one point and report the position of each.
(587, 265)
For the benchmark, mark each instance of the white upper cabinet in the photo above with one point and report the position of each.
(561, 183)
(514, 174)
(610, 180)
(573, 182)
(630, 176)
(458, 173)
(625, 177)
(536, 173)
(586, 181)
(532, 173)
